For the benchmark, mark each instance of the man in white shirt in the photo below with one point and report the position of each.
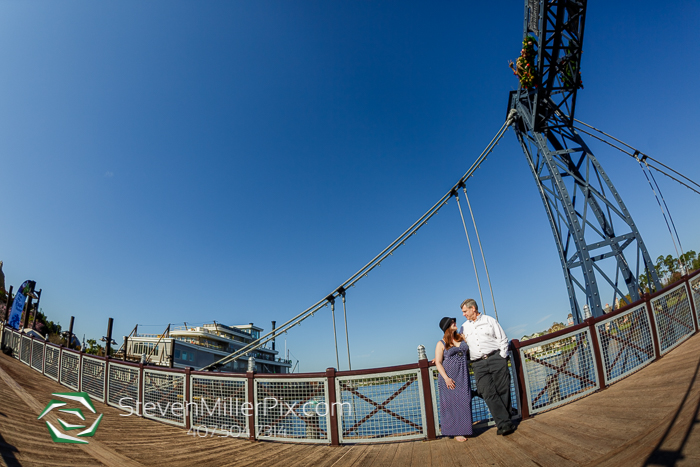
(488, 349)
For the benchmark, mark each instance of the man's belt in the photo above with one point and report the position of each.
(485, 356)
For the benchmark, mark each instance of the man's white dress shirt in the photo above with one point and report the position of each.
(484, 336)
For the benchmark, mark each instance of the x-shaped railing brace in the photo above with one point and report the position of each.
(378, 407)
(626, 343)
(559, 370)
(667, 314)
(306, 420)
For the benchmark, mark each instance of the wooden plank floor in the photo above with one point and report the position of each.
(650, 418)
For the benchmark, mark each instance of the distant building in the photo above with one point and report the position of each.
(199, 346)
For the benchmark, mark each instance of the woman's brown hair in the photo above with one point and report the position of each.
(451, 337)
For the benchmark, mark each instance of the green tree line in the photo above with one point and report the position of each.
(671, 270)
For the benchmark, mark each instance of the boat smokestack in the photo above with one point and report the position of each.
(273, 336)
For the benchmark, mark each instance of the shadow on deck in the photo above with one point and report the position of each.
(650, 418)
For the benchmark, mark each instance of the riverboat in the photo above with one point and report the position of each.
(199, 346)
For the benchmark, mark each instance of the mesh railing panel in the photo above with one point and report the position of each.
(626, 343)
(16, 344)
(559, 370)
(6, 336)
(26, 353)
(480, 411)
(123, 387)
(51, 362)
(218, 405)
(380, 407)
(164, 396)
(70, 370)
(93, 378)
(695, 288)
(38, 355)
(673, 317)
(292, 409)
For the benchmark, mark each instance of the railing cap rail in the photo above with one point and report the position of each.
(164, 369)
(319, 374)
(94, 357)
(693, 274)
(518, 344)
(681, 281)
(373, 371)
(119, 362)
(218, 374)
(619, 311)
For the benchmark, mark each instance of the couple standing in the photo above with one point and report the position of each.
(483, 341)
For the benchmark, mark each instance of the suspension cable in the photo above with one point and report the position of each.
(646, 168)
(663, 213)
(347, 340)
(471, 253)
(374, 262)
(335, 336)
(688, 180)
(478, 239)
(670, 218)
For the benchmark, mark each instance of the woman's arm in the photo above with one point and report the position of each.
(439, 349)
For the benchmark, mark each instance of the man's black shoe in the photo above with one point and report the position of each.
(506, 430)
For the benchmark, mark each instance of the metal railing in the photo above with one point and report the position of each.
(218, 405)
(381, 406)
(163, 395)
(70, 369)
(288, 409)
(52, 361)
(694, 286)
(626, 343)
(673, 317)
(123, 382)
(92, 377)
(25, 355)
(38, 355)
(375, 405)
(570, 364)
(16, 348)
(559, 370)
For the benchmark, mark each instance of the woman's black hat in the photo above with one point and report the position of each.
(446, 322)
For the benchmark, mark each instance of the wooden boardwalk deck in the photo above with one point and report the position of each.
(650, 418)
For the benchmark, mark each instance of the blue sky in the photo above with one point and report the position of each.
(190, 161)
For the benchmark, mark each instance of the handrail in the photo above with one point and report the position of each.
(682, 280)
(520, 344)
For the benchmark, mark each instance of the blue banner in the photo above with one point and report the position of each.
(18, 305)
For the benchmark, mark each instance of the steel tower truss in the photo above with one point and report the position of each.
(588, 218)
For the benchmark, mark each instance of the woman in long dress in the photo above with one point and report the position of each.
(454, 385)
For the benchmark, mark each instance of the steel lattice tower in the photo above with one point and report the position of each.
(586, 213)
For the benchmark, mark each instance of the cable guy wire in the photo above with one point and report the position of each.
(645, 156)
(483, 258)
(471, 253)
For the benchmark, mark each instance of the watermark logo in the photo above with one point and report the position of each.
(81, 398)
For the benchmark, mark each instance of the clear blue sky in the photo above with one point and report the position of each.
(236, 161)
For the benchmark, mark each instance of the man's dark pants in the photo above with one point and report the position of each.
(493, 383)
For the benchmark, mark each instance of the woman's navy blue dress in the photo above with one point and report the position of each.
(456, 404)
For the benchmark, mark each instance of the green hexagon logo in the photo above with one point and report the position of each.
(59, 436)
